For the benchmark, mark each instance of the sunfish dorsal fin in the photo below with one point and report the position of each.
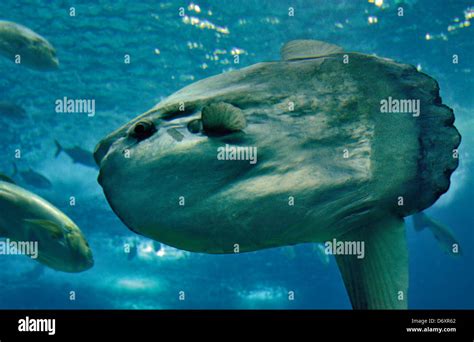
(306, 48)
(54, 229)
(379, 280)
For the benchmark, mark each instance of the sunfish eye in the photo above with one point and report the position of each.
(143, 129)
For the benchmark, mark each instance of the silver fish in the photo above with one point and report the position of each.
(21, 45)
(26, 217)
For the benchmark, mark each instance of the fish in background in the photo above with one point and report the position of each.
(32, 177)
(447, 242)
(34, 51)
(77, 154)
(26, 217)
(11, 110)
(443, 235)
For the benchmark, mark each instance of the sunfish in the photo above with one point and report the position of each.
(77, 154)
(27, 217)
(32, 177)
(333, 165)
(23, 46)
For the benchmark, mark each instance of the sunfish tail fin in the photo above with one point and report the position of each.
(379, 280)
(59, 148)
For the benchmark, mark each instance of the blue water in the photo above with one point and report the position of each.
(168, 52)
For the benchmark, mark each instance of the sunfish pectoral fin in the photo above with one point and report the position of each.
(443, 235)
(53, 229)
(221, 118)
(306, 48)
(379, 280)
